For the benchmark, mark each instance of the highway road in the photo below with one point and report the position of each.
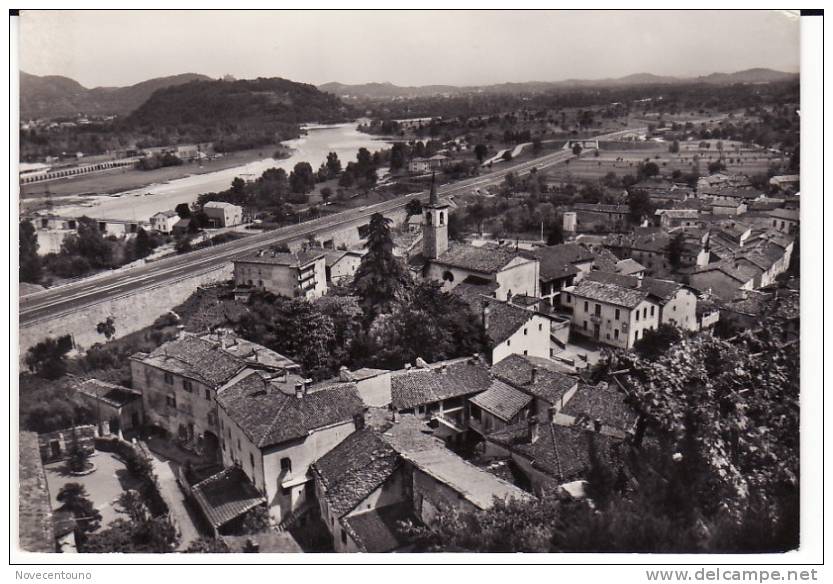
(77, 295)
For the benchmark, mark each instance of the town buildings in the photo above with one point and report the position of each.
(223, 214)
(164, 221)
(301, 274)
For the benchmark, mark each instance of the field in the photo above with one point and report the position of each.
(623, 158)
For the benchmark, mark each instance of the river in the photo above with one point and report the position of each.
(140, 204)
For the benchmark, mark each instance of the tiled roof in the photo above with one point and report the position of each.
(679, 213)
(354, 469)
(35, 528)
(475, 485)
(281, 258)
(629, 266)
(558, 261)
(605, 260)
(219, 205)
(663, 290)
(268, 415)
(563, 452)
(788, 214)
(109, 393)
(550, 383)
(415, 387)
(606, 404)
(502, 400)
(196, 358)
(254, 355)
(486, 259)
(600, 208)
(609, 293)
(226, 496)
(268, 542)
(378, 530)
(504, 321)
(473, 290)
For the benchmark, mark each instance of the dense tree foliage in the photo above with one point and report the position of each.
(380, 276)
(48, 358)
(30, 262)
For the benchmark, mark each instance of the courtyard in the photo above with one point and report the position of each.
(104, 485)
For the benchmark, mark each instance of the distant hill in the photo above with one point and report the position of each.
(53, 96)
(235, 114)
(389, 90)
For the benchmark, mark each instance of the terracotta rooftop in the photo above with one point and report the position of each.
(504, 321)
(606, 404)
(226, 496)
(378, 530)
(486, 259)
(550, 383)
(502, 400)
(196, 358)
(354, 469)
(420, 386)
(109, 393)
(562, 452)
(558, 261)
(609, 293)
(662, 290)
(269, 414)
(280, 258)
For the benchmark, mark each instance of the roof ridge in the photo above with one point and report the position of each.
(269, 428)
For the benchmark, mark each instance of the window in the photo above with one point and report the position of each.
(636, 336)
(586, 306)
(525, 331)
(637, 316)
(509, 343)
(585, 325)
(652, 310)
(171, 400)
(252, 460)
(442, 218)
(169, 379)
(526, 352)
(540, 327)
(616, 334)
(186, 385)
(617, 314)
(208, 394)
(343, 536)
(569, 298)
(598, 310)
(645, 312)
(286, 464)
(448, 276)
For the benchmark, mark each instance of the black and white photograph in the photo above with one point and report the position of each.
(412, 281)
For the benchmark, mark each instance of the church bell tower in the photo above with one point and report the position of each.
(435, 228)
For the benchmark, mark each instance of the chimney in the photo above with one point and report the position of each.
(475, 358)
(358, 420)
(486, 311)
(299, 389)
(395, 416)
(639, 277)
(597, 426)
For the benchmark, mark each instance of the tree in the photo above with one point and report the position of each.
(184, 210)
(207, 545)
(507, 155)
(143, 246)
(674, 250)
(481, 150)
(326, 193)
(537, 145)
(302, 179)
(30, 263)
(380, 276)
(48, 358)
(716, 166)
(333, 164)
(674, 147)
(639, 205)
(74, 499)
(577, 149)
(107, 328)
(555, 235)
(647, 170)
(413, 208)
(397, 156)
(655, 342)
(89, 243)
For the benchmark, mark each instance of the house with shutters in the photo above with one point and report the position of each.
(611, 314)
(273, 431)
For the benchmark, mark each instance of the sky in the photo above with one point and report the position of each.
(104, 48)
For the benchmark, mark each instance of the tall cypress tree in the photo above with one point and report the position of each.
(380, 276)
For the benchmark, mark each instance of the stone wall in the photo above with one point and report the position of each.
(132, 312)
